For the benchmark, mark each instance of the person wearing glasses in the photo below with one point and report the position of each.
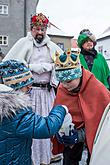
(91, 59)
(86, 98)
(36, 51)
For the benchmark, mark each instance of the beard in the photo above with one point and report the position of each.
(39, 38)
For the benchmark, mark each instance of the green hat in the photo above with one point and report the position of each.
(84, 36)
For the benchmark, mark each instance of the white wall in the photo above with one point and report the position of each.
(105, 43)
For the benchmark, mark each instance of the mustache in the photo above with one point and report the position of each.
(39, 38)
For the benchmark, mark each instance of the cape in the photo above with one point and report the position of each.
(86, 106)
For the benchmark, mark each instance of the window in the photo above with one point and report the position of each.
(4, 9)
(3, 40)
(100, 49)
(61, 45)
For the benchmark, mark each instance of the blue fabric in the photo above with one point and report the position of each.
(68, 140)
(16, 134)
(68, 74)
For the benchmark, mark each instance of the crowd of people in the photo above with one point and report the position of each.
(51, 106)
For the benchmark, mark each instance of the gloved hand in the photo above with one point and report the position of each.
(41, 67)
(66, 126)
(68, 140)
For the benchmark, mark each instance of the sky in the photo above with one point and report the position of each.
(71, 16)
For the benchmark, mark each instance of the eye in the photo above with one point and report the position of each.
(42, 30)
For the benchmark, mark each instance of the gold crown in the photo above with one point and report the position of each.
(68, 60)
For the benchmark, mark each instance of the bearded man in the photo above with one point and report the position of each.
(36, 50)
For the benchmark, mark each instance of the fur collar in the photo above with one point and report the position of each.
(11, 102)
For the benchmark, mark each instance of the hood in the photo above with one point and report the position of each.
(11, 102)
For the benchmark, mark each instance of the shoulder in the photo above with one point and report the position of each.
(27, 38)
(20, 41)
(102, 59)
(99, 55)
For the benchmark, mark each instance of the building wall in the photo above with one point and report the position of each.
(65, 40)
(105, 45)
(16, 24)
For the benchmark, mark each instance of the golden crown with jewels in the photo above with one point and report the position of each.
(68, 60)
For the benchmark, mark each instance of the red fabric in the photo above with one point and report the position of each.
(86, 107)
(57, 147)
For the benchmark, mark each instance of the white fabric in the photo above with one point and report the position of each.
(40, 68)
(23, 50)
(42, 102)
(65, 108)
(4, 88)
(101, 148)
(66, 126)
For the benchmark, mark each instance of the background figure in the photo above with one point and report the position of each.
(36, 51)
(1, 55)
(91, 59)
(18, 123)
(86, 99)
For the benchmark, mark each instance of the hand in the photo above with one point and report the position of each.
(68, 140)
(41, 67)
(66, 126)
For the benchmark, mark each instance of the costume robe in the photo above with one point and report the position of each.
(86, 106)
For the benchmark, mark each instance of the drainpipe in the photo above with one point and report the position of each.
(25, 18)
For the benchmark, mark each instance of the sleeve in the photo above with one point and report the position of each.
(38, 127)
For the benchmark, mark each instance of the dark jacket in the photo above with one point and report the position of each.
(18, 125)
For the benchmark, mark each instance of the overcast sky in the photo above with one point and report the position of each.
(71, 16)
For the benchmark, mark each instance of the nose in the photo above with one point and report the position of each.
(39, 31)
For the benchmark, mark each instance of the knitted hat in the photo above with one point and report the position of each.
(39, 20)
(15, 74)
(84, 36)
(67, 65)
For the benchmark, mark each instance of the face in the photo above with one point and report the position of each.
(26, 89)
(72, 84)
(38, 32)
(88, 45)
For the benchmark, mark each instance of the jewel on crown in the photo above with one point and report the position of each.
(39, 20)
(68, 60)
